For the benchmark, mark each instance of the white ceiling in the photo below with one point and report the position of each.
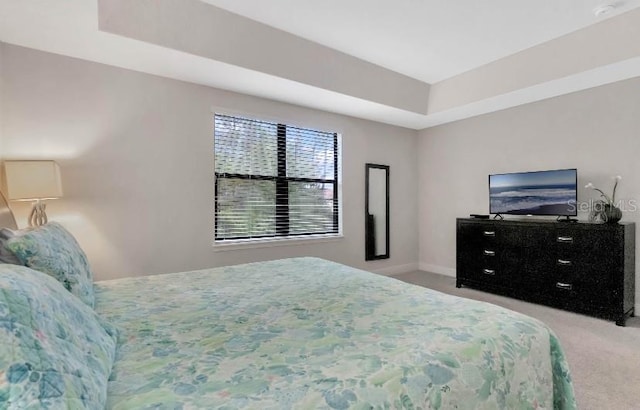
(429, 40)
(423, 39)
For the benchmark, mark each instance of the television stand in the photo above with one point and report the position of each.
(498, 216)
(580, 267)
(566, 219)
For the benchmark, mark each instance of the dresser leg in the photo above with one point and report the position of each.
(458, 283)
(621, 322)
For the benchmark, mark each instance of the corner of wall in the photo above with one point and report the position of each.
(396, 270)
(441, 270)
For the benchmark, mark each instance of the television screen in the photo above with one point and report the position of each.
(534, 193)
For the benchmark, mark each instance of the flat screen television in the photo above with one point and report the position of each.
(534, 193)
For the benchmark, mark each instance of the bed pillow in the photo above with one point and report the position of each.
(53, 250)
(56, 352)
(6, 256)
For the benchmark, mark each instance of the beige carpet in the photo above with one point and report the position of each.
(604, 358)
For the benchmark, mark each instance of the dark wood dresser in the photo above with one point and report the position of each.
(581, 267)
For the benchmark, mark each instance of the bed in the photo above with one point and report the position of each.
(293, 333)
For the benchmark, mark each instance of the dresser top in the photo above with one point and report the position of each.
(546, 222)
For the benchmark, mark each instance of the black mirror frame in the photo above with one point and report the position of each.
(369, 242)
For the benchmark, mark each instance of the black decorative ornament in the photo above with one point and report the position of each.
(603, 212)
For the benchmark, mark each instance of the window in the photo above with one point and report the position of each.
(274, 180)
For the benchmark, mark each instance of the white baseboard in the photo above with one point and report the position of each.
(442, 270)
(396, 270)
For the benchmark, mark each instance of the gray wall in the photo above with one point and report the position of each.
(597, 131)
(136, 156)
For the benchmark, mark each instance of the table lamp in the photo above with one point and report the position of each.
(34, 181)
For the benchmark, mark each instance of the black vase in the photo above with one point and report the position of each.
(611, 214)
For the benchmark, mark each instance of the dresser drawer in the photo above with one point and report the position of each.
(587, 245)
(491, 275)
(600, 271)
(573, 292)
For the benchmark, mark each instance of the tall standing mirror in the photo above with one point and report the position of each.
(376, 210)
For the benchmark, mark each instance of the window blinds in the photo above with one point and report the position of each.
(273, 180)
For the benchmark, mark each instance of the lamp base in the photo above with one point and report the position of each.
(38, 215)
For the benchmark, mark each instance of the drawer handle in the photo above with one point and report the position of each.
(565, 286)
(565, 239)
(489, 272)
(564, 262)
(489, 233)
(489, 253)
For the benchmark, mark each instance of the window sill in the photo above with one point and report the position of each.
(272, 242)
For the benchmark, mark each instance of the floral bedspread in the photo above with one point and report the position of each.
(308, 333)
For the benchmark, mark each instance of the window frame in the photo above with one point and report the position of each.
(282, 233)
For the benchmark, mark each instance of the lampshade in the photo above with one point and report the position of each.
(31, 180)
